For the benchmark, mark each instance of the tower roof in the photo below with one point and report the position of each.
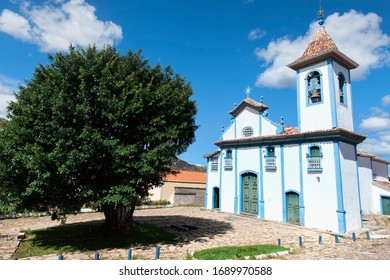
(322, 47)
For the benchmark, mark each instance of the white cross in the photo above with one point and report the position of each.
(248, 91)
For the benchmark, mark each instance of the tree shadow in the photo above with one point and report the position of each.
(148, 231)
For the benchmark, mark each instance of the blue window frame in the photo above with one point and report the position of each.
(270, 158)
(314, 158)
(228, 160)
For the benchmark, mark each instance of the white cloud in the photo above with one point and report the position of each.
(7, 87)
(256, 33)
(59, 23)
(386, 100)
(378, 124)
(361, 39)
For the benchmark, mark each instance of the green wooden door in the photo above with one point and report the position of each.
(250, 199)
(292, 200)
(385, 205)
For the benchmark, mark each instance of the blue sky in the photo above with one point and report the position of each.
(220, 46)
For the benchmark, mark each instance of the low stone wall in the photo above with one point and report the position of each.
(189, 196)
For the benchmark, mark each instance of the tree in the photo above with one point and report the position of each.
(94, 126)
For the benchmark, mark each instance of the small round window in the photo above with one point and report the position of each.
(247, 131)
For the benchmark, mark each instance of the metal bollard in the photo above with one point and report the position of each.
(336, 238)
(157, 252)
(60, 257)
(279, 242)
(300, 241)
(97, 256)
(130, 254)
(368, 235)
(320, 240)
(353, 236)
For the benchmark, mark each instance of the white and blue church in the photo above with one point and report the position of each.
(312, 175)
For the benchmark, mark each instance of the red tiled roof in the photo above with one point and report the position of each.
(322, 46)
(187, 176)
(382, 184)
(216, 152)
(372, 156)
(250, 103)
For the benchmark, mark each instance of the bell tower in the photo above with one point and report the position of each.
(323, 84)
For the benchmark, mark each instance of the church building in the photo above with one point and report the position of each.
(313, 174)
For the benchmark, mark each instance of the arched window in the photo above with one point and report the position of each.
(270, 159)
(314, 87)
(342, 87)
(247, 131)
(229, 160)
(314, 158)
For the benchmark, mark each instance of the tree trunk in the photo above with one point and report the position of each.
(118, 219)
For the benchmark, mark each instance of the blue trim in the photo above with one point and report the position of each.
(236, 198)
(332, 94)
(220, 180)
(207, 183)
(301, 196)
(235, 128)
(381, 201)
(260, 124)
(242, 186)
(211, 162)
(358, 182)
(339, 190)
(307, 90)
(261, 185)
(298, 100)
(284, 206)
(350, 97)
(212, 198)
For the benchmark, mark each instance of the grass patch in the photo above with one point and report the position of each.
(237, 252)
(82, 237)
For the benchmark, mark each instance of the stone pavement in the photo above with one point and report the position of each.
(215, 229)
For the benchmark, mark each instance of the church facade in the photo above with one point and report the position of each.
(311, 175)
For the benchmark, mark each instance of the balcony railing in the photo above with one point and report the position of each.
(314, 163)
(270, 162)
(228, 163)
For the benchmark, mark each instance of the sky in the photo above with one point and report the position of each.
(220, 46)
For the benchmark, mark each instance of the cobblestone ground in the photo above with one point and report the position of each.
(215, 229)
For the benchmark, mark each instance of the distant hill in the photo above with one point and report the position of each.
(179, 164)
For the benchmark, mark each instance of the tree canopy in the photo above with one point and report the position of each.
(94, 126)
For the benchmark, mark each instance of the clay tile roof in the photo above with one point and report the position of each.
(374, 157)
(250, 103)
(322, 46)
(382, 184)
(288, 130)
(216, 152)
(187, 176)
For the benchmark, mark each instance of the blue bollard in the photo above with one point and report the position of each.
(97, 256)
(320, 240)
(279, 242)
(300, 241)
(336, 238)
(353, 236)
(130, 254)
(157, 252)
(368, 235)
(60, 257)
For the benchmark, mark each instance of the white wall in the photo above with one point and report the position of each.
(365, 180)
(272, 183)
(247, 117)
(376, 199)
(320, 193)
(350, 186)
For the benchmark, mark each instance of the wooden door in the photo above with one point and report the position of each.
(292, 200)
(250, 198)
(385, 205)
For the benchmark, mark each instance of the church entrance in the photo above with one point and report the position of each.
(292, 200)
(249, 194)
